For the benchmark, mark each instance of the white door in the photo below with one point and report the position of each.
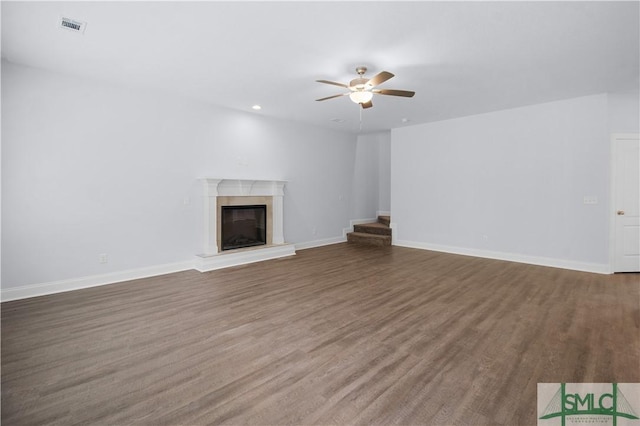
(626, 203)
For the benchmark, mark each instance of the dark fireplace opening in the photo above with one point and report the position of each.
(243, 226)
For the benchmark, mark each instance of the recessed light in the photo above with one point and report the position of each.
(337, 120)
(257, 107)
(405, 120)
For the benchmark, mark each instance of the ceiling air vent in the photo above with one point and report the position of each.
(72, 25)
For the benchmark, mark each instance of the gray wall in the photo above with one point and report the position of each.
(372, 176)
(510, 184)
(91, 168)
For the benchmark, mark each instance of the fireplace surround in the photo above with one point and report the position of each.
(219, 193)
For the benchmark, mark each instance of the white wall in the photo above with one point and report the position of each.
(89, 168)
(365, 178)
(624, 111)
(372, 176)
(384, 173)
(507, 184)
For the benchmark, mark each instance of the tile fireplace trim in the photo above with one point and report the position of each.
(212, 258)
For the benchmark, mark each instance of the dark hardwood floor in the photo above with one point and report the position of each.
(341, 334)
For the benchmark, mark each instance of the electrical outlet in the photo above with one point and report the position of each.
(103, 258)
(590, 199)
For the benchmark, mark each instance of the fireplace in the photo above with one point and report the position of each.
(265, 241)
(243, 226)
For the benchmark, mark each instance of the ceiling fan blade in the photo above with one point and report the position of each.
(331, 97)
(405, 93)
(379, 78)
(366, 105)
(333, 82)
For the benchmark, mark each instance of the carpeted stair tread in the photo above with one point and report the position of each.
(373, 234)
(369, 239)
(373, 228)
(385, 220)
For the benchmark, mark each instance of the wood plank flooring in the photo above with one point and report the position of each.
(341, 334)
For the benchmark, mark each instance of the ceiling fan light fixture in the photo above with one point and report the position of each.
(361, 90)
(361, 97)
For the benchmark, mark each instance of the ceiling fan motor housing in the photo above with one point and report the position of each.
(358, 84)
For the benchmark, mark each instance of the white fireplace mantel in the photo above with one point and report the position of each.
(242, 187)
(212, 258)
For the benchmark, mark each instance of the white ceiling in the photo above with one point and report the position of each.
(461, 58)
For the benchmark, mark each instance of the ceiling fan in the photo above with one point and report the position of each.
(361, 90)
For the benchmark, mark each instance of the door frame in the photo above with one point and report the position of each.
(613, 191)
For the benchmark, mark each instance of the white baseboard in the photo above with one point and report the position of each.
(23, 292)
(320, 243)
(334, 240)
(201, 264)
(383, 213)
(205, 263)
(597, 268)
(217, 262)
(394, 233)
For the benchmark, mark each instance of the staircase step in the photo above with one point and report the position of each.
(372, 228)
(369, 239)
(386, 220)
